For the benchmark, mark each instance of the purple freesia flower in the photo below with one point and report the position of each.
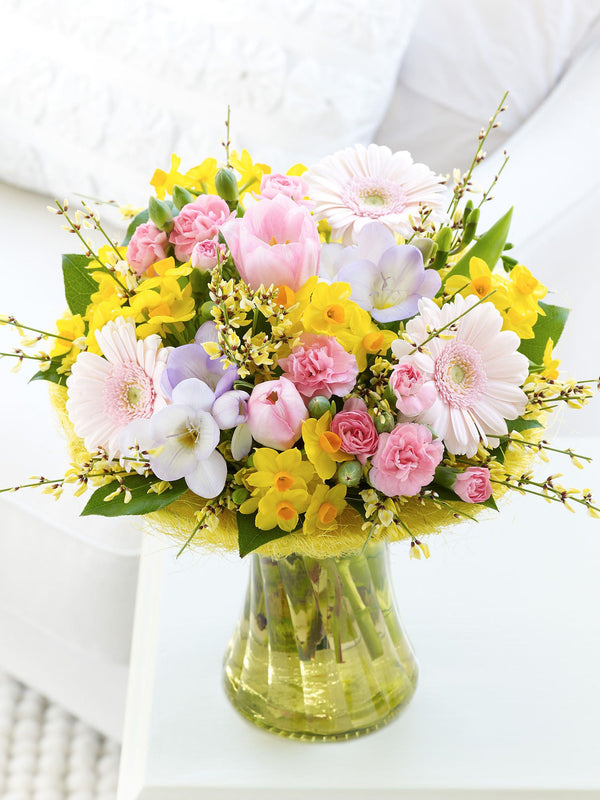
(192, 361)
(387, 279)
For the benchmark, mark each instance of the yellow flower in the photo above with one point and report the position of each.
(331, 312)
(550, 365)
(323, 447)
(281, 509)
(202, 177)
(481, 282)
(526, 290)
(250, 173)
(297, 170)
(160, 302)
(70, 326)
(280, 471)
(163, 182)
(167, 268)
(325, 507)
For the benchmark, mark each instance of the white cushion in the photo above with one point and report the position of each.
(102, 99)
(464, 55)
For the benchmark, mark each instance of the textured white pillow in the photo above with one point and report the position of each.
(93, 100)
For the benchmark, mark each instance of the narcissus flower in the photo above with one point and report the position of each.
(281, 509)
(323, 446)
(326, 505)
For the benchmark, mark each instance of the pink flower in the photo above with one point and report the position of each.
(148, 245)
(356, 430)
(291, 186)
(196, 222)
(276, 412)
(204, 254)
(405, 460)
(320, 366)
(276, 243)
(473, 485)
(414, 393)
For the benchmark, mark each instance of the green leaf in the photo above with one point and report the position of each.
(521, 424)
(143, 216)
(79, 284)
(250, 537)
(357, 505)
(549, 327)
(489, 246)
(141, 501)
(51, 374)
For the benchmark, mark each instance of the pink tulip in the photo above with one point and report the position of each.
(147, 246)
(276, 412)
(405, 460)
(276, 243)
(473, 485)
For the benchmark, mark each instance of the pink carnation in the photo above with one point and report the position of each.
(196, 222)
(473, 485)
(148, 245)
(356, 430)
(405, 460)
(291, 186)
(204, 254)
(413, 393)
(320, 366)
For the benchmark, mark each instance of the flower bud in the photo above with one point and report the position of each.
(470, 228)
(226, 185)
(181, 197)
(349, 473)
(427, 247)
(206, 309)
(160, 214)
(443, 240)
(240, 495)
(318, 406)
(385, 422)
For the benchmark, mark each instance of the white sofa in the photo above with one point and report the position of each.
(67, 585)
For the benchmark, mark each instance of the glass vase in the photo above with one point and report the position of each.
(319, 652)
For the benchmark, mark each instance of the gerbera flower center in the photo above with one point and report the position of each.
(129, 394)
(373, 197)
(459, 374)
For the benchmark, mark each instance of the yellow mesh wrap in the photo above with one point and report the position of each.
(177, 520)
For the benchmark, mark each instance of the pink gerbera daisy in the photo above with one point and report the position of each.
(360, 184)
(475, 368)
(106, 394)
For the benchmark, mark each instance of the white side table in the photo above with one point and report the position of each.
(504, 619)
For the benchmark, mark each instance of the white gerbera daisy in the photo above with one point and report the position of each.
(475, 368)
(360, 184)
(106, 394)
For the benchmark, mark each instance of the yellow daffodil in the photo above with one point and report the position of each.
(281, 509)
(296, 170)
(166, 268)
(325, 507)
(202, 177)
(250, 173)
(280, 471)
(71, 327)
(323, 447)
(526, 290)
(160, 302)
(550, 364)
(163, 182)
(481, 282)
(331, 312)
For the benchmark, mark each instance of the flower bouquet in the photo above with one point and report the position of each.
(305, 367)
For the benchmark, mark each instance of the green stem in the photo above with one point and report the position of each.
(12, 321)
(23, 355)
(361, 612)
(437, 332)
